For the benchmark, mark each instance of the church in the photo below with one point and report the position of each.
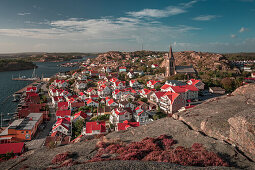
(172, 68)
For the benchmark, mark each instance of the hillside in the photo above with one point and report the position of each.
(201, 61)
(223, 126)
(15, 65)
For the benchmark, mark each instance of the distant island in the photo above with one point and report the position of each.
(47, 57)
(15, 65)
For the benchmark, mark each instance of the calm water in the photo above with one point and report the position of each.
(8, 86)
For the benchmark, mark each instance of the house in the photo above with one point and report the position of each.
(126, 104)
(63, 84)
(154, 66)
(93, 73)
(76, 105)
(131, 75)
(119, 85)
(95, 128)
(23, 129)
(252, 75)
(166, 88)
(91, 91)
(104, 91)
(197, 83)
(102, 76)
(141, 115)
(92, 103)
(122, 69)
(81, 85)
(62, 105)
(175, 83)
(111, 103)
(188, 92)
(52, 92)
(133, 83)
(82, 96)
(217, 90)
(116, 94)
(82, 77)
(16, 148)
(153, 84)
(79, 115)
(63, 113)
(106, 110)
(125, 125)
(57, 99)
(106, 70)
(140, 73)
(145, 93)
(119, 115)
(113, 80)
(94, 97)
(127, 97)
(62, 125)
(75, 75)
(172, 102)
(156, 96)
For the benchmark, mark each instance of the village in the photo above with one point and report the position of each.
(98, 99)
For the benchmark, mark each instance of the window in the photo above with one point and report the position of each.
(22, 132)
(26, 131)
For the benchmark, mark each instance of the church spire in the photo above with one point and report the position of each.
(171, 53)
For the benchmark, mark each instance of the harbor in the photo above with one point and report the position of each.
(16, 82)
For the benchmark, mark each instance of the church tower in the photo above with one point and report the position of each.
(170, 64)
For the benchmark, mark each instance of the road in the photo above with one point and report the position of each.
(40, 137)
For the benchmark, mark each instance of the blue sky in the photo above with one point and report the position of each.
(124, 25)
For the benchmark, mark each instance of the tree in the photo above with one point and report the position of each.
(228, 84)
(77, 127)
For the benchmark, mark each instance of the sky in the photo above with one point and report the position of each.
(223, 26)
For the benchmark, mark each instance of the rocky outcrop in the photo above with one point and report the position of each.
(85, 150)
(201, 60)
(230, 118)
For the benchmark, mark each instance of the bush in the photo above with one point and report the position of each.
(160, 149)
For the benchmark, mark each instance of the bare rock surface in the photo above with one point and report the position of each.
(230, 118)
(85, 150)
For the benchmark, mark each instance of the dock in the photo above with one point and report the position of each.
(24, 89)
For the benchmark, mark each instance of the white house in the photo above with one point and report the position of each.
(141, 115)
(153, 84)
(104, 91)
(81, 85)
(126, 104)
(92, 103)
(133, 83)
(116, 94)
(91, 91)
(119, 85)
(130, 75)
(119, 115)
(172, 102)
(111, 103)
(197, 83)
(156, 96)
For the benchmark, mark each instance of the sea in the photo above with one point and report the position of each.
(8, 86)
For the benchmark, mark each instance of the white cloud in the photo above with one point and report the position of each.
(205, 17)
(161, 13)
(157, 13)
(23, 13)
(100, 29)
(243, 29)
(233, 36)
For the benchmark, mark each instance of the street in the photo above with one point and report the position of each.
(41, 135)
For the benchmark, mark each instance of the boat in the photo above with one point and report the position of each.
(24, 78)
